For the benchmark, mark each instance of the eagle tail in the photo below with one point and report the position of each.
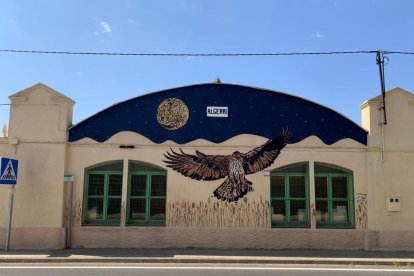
(231, 192)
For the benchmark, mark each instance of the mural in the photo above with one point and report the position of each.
(172, 114)
(219, 214)
(231, 167)
(77, 213)
(182, 115)
(362, 211)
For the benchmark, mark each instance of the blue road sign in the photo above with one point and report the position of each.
(8, 171)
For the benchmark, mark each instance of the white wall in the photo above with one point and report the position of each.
(39, 118)
(391, 160)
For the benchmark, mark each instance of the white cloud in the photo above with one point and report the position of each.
(318, 34)
(105, 28)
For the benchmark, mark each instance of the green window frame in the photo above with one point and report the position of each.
(333, 197)
(103, 196)
(290, 197)
(147, 196)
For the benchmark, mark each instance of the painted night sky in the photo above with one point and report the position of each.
(250, 111)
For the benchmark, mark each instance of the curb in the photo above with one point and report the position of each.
(218, 260)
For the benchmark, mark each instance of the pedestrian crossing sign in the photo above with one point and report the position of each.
(8, 171)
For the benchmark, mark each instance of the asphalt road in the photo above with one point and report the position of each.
(195, 269)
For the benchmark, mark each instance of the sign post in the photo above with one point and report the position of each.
(8, 176)
(10, 218)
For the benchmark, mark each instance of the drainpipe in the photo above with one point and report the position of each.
(69, 180)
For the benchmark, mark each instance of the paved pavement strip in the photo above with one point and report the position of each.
(90, 255)
(45, 258)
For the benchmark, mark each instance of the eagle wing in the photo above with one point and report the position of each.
(262, 157)
(199, 166)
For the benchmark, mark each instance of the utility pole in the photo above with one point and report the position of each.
(380, 63)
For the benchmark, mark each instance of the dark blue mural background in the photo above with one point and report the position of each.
(251, 111)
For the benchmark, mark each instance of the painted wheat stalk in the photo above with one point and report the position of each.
(215, 214)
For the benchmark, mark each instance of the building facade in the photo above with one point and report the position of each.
(210, 166)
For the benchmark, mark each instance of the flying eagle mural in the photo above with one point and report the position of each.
(233, 167)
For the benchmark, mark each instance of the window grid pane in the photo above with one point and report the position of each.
(138, 185)
(340, 212)
(322, 213)
(158, 185)
(94, 209)
(115, 185)
(279, 210)
(298, 210)
(277, 185)
(137, 209)
(157, 209)
(339, 187)
(96, 185)
(114, 208)
(297, 186)
(321, 187)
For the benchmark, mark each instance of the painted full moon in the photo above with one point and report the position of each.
(172, 114)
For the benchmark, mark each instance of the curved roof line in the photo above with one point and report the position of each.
(254, 110)
(221, 83)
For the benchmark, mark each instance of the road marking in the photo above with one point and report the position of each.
(212, 268)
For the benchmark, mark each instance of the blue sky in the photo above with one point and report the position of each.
(205, 26)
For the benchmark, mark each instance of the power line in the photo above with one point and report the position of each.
(203, 54)
(398, 52)
(190, 54)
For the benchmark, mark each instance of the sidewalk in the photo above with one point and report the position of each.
(209, 256)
